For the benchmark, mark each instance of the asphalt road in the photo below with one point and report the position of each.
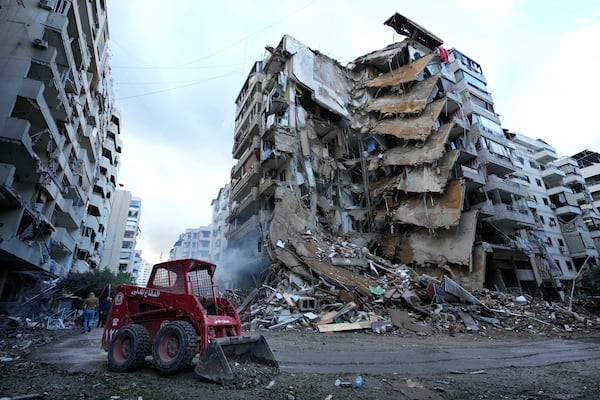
(78, 351)
(431, 361)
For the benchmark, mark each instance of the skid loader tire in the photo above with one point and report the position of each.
(128, 348)
(175, 346)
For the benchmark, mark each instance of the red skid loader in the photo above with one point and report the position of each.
(176, 317)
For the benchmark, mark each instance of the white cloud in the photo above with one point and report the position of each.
(560, 102)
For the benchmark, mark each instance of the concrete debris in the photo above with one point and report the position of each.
(362, 291)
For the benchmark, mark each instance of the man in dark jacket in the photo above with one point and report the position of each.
(103, 312)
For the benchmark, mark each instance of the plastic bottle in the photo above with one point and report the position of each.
(358, 382)
(338, 382)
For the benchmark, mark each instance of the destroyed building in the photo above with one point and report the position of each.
(398, 155)
(59, 143)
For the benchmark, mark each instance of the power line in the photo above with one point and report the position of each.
(175, 87)
(227, 47)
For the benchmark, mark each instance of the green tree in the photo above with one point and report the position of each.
(593, 279)
(100, 281)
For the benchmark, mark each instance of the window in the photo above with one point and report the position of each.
(561, 242)
(538, 182)
(125, 255)
(546, 201)
(542, 219)
(476, 83)
(570, 265)
(553, 223)
(534, 165)
(488, 125)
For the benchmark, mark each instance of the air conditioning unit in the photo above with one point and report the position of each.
(40, 43)
(47, 4)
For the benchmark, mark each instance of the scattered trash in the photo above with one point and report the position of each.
(478, 372)
(358, 382)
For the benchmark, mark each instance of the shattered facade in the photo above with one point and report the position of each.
(589, 165)
(59, 141)
(399, 153)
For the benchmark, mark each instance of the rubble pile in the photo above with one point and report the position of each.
(346, 287)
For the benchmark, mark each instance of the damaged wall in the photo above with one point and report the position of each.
(378, 153)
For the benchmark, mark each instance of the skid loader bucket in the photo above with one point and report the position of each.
(215, 365)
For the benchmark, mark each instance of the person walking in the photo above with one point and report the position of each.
(103, 312)
(89, 307)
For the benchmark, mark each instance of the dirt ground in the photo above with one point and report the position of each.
(20, 376)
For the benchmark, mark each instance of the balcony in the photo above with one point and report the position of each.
(243, 209)
(250, 177)
(557, 190)
(67, 215)
(43, 69)
(474, 179)
(95, 206)
(88, 139)
(21, 251)
(470, 108)
(504, 187)
(52, 189)
(511, 217)
(496, 164)
(7, 174)
(581, 198)
(463, 85)
(92, 223)
(552, 175)
(62, 240)
(86, 245)
(249, 127)
(16, 146)
(572, 180)
(567, 211)
(74, 193)
(580, 243)
(545, 156)
(486, 208)
(267, 186)
(238, 232)
(84, 166)
(100, 187)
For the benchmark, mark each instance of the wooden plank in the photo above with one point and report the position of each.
(327, 318)
(346, 326)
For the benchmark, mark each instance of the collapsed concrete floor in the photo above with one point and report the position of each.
(381, 154)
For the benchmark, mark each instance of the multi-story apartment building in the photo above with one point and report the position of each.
(143, 273)
(589, 165)
(560, 202)
(218, 241)
(60, 140)
(194, 243)
(119, 253)
(399, 152)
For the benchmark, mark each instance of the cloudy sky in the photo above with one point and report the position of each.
(177, 67)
